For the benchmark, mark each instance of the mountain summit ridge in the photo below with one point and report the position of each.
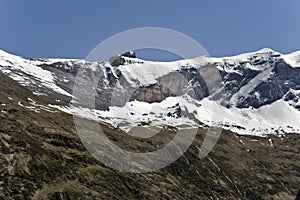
(245, 91)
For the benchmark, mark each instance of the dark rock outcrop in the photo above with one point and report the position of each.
(119, 60)
(116, 61)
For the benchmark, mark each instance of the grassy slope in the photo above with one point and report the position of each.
(41, 157)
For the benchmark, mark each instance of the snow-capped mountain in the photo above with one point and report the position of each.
(252, 93)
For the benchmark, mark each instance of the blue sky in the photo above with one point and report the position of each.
(71, 29)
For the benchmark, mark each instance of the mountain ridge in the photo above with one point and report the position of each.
(241, 85)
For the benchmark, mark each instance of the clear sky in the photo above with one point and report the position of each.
(71, 29)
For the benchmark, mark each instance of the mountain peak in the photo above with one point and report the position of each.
(265, 50)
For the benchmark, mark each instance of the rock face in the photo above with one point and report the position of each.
(116, 61)
(251, 80)
(281, 80)
(257, 80)
(120, 60)
(129, 54)
(186, 81)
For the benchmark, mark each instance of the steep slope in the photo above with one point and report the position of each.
(41, 157)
